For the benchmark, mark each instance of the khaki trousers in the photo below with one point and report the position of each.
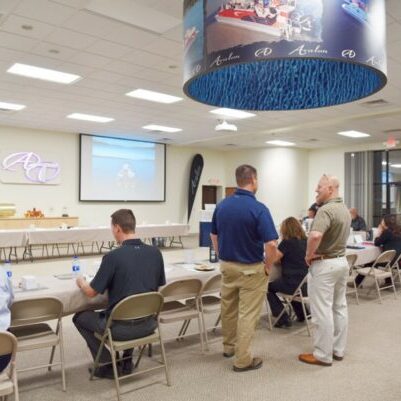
(242, 293)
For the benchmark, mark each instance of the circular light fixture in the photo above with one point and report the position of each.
(27, 27)
(54, 51)
(283, 54)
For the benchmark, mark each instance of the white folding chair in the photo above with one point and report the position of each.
(175, 309)
(396, 269)
(351, 259)
(27, 324)
(8, 378)
(381, 270)
(296, 296)
(133, 307)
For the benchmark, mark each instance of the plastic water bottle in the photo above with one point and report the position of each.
(8, 269)
(212, 255)
(76, 266)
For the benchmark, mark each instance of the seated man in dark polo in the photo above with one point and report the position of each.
(131, 269)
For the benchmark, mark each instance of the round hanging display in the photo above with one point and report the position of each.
(283, 54)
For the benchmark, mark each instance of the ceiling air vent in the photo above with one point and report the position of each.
(373, 104)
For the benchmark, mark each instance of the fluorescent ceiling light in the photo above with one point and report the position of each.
(225, 126)
(44, 74)
(232, 113)
(154, 96)
(155, 127)
(395, 165)
(280, 143)
(89, 117)
(353, 134)
(11, 106)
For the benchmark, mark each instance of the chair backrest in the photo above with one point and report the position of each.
(397, 263)
(30, 311)
(351, 259)
(385, 257)
(8, 344)
(138, 306)
(301, 284)
(212, 285)
(182, 289)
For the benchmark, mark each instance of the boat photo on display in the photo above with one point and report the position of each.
(248, 21)
(357, 9)
(193, 32)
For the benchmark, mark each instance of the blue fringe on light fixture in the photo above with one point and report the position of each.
(287, 84)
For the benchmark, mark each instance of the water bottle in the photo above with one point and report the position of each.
(76, 266)
(212, 255)
(8, 269)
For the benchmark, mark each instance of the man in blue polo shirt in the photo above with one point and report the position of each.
(242, 231)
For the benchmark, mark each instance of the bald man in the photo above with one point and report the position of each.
(357, 222)
(328, 273)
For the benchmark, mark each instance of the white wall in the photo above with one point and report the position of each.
(282, 177)
(64, 148)
(331, 161)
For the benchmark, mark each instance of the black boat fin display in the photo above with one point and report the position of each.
(194, 178)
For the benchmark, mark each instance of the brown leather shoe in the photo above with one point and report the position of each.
(309, 358)
(337, 358)
(255, 364)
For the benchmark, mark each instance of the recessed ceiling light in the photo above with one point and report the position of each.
(27, 27)
(90, 117)
(162, 128)
(232, 113)
(11, 106)
(353, 134)
(54, 51)
(154, 96)
(44, 74)
(280, 143)
(396, 165)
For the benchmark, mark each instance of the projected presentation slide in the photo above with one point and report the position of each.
(115, 169)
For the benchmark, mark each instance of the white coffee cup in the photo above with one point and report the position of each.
(29, 283)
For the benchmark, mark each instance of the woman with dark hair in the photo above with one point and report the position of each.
(388, 238)
(291, 255)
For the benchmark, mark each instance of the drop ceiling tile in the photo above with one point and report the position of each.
(68, 38)
(15, 24)
(16, 42)
(53, 51)
(105, 76)
(123, 68)
(91, 60)
(45, 11)
(109, 49)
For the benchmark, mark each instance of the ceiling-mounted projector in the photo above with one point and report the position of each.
(225, 126)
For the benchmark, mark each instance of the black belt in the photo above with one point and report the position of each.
(133, 322)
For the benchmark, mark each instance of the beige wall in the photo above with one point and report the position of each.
(64, 148)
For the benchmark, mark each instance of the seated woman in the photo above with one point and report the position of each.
(388, 238)
(6, 299)
(291, 255)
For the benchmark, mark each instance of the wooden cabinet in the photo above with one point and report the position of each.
(44, 222)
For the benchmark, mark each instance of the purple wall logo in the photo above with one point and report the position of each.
(35, 170)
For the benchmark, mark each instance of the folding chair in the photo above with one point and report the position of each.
(379, 272)
(8, 379)
(27, 317)
(134, 307)
(396, 269)
(296, 296)
(176, 311)
(210, 302)
(351, 259)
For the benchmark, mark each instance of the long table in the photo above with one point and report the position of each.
(73, 299)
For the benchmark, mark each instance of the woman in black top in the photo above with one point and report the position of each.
(291, 255)
(389, 238)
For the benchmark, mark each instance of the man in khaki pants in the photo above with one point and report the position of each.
(328, 274)
(242, 230)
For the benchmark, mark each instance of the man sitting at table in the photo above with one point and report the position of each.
(358, 222)
(131, 269)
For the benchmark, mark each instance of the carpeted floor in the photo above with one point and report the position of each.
(369, 372)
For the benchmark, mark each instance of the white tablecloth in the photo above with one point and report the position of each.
(366, 255)
(74, 300)
(100, 234)
(11, 238)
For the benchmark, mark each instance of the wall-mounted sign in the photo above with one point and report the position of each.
(28, 168)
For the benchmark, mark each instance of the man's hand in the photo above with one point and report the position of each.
(85, 287)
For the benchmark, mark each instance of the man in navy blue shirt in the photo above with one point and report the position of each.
(242, 231)
(133, 268)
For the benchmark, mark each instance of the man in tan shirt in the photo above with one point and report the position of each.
(328, 273)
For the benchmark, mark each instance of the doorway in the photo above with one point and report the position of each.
(209, 195)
